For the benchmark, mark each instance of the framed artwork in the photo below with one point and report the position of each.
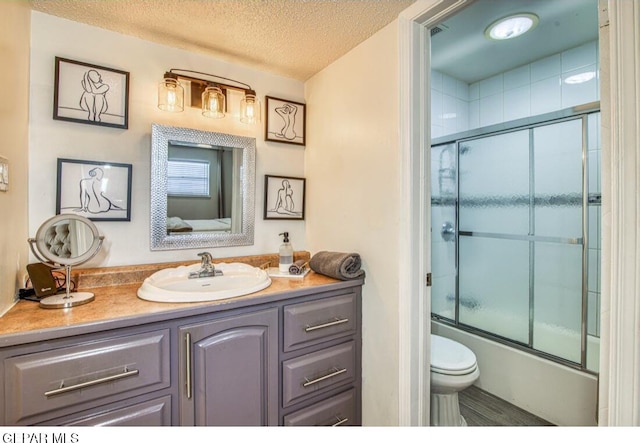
(96, 190)
(283, 198)
(286, 121)
(90, 94)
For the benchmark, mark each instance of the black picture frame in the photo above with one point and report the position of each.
(90, 94)
(99, 191)
(285, 121)
(284, 197)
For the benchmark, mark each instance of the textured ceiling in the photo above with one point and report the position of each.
(294, 38)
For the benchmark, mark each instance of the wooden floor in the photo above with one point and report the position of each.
(479, 408)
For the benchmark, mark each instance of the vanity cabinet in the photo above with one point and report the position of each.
(290, 359)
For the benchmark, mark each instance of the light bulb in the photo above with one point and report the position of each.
(511, 26)
(171, 98)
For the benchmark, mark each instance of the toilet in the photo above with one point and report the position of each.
(453, 368)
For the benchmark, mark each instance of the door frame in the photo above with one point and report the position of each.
(415, 246)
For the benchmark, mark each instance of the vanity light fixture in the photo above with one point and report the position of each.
(511, 26)
(210, 95)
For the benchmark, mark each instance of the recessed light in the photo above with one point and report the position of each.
(511, 26)
(580, 78)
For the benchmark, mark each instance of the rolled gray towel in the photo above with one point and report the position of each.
(297, 267)
(340, 265)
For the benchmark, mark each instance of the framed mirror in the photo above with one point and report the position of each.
(202, 189)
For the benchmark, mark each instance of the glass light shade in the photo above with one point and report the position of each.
(213, 102)
(250, 109)
(170, 95)
(511, 26)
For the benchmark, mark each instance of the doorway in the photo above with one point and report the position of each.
(414, 58)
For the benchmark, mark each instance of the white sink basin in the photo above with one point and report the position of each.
(174, 285)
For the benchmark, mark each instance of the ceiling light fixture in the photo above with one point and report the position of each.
(211, 96)
(580, 78)
(511, 26)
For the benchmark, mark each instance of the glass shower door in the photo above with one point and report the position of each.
(493, 274)
(520, 242)
(511, 257)
(558, 252)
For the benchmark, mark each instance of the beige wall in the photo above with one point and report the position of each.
(352, 168)
(15, 25)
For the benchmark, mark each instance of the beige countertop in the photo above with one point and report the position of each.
(116, 304)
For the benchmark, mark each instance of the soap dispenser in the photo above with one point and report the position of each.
(286, 254)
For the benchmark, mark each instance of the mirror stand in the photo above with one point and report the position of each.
(66, 240)
(68, 299)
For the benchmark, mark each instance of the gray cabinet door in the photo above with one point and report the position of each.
(229, 371)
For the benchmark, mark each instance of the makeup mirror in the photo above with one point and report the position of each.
(64, 241)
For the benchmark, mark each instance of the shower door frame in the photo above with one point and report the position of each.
(529, 124)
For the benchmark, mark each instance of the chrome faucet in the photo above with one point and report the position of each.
(207, 269)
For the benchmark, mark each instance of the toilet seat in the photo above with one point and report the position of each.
(449, 357)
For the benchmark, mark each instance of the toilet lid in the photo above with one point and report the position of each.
(451, 357)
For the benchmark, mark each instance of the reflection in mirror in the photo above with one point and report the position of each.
(202, 189)
(66, 240)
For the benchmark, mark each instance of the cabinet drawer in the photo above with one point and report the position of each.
(155, 412)
(317, 372)
(317, 321)
(66, 377)
(339, 410)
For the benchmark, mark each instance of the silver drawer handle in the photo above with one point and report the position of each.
(335, 372)
(63, 389)
(340, 421)
(337, 321)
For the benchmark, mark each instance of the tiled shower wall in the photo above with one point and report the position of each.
(532, 89)
(593, 239)
(536, 88)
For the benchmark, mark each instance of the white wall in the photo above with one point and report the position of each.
(14, 118)
(352, 165)
(128, 242)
